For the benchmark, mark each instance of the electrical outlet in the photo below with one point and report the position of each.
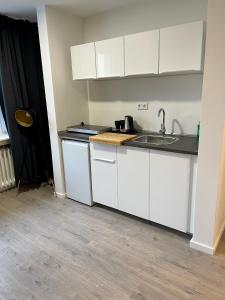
(142, 106)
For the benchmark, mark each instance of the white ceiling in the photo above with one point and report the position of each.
(83, 8)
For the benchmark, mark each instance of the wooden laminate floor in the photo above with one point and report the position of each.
(59, 249)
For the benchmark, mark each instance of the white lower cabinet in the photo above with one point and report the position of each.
(193, 183)
(133, 181)
(169, 189)
(104, 174)
(151, 184)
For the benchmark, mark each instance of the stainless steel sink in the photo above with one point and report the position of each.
(156, 139)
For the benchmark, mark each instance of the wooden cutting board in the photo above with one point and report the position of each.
(111, 138)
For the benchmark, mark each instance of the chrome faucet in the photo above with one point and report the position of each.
(163, 128)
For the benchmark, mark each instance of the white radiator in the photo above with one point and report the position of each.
(7, 177)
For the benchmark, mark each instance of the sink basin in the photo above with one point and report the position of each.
(156, 139)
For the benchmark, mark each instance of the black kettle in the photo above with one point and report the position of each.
(129, 124)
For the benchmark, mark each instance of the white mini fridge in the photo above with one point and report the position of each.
(76, 156)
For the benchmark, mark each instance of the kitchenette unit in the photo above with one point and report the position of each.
(153, 181)
(150, 175)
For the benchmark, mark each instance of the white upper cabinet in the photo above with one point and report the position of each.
(110, 58)
(176, 49)
(181, 48)
(83, 61)
(133, 181)
(142, 53)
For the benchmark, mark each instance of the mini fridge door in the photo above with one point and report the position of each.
(76, 156)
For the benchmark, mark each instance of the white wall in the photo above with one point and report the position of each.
(210, 202)
(179, 95)
(65, 30)
(66, 99)
(142, 16)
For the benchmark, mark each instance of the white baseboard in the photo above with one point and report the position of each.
(217, 240)
(59, 195)
(202, 247)
(205, 248)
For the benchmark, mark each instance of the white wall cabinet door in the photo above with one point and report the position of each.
(142, 53)
(133, 181)
(104, 174)
(169, 189)
(110, 58)
(83, 61)
(181, 48)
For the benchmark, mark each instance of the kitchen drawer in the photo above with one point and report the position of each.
(101, 151)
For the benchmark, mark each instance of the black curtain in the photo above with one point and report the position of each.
(23, 88)
(2, 103)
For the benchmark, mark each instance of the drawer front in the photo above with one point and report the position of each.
(103, 152)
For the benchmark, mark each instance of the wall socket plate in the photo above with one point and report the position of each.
(142, 106)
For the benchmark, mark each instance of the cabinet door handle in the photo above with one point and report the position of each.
(111, 161)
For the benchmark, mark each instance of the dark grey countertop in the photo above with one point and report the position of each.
(186, 144)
